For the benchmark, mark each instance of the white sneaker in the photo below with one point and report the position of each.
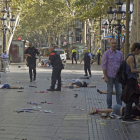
(104, 114)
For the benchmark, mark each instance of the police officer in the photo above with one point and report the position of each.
(31, 60)
(74, 55)
(87, 58)
(55, 61)
(99, 54)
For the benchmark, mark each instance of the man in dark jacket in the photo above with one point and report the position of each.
(87, 58)
(131, 92)
(31, 53)
(57, 65)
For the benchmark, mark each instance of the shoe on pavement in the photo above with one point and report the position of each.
(129, 120)
(34, 79)
(85, 75)
(99, 91)
(31, 80)
(112, 116)
(50, 89)
(104, 114)
(57, 89)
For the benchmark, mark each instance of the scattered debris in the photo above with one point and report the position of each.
(41, 92)
(33, 103)
(77, 107)
(48, 111)
(36, 107)
(84, 78)
(2, 129)
(32, 86)
(75, 95)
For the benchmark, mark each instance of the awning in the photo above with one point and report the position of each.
(108, 37)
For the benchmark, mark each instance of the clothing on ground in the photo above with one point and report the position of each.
(79, 84)
(7, 86)
(116, 109)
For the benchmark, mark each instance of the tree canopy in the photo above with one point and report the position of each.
(38, 17)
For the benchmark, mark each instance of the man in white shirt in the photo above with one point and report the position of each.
(5, 61)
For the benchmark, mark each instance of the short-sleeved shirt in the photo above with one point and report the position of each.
(4, 56)
(55, 59)
(32, 51)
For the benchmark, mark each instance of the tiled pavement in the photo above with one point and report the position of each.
(66, 122)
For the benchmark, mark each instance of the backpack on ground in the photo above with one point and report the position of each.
(121, 74)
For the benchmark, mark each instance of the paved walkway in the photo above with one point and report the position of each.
(67, 122)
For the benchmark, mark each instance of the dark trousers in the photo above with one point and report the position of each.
(128, 107)
(74, 57)
(98, 59)
(87, 67)
(56, 75)
(32, 67)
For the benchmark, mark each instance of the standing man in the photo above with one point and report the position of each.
(74, 55)
(57, 65)
(87, 59)
(110, 63)
(5, 61)
(99, 55)
(131, 91)
(31, 60)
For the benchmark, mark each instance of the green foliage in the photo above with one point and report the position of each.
(40, 17)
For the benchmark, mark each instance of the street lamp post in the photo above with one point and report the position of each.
(106, 26)
(118, 13)
(4, 24)
(110, 17)
(119, 18)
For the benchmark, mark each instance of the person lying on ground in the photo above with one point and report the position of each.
(78, 84)
(44, 63)
(7, 86)
(117, 110)
(105, 92)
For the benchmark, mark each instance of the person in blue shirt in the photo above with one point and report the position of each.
(87, 58)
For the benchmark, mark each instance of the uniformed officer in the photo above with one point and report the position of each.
(99, 54)
(87, 59)
(74, 55)
(55, 61)
(31, 60)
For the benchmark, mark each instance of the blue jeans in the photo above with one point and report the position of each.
(118, 89)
